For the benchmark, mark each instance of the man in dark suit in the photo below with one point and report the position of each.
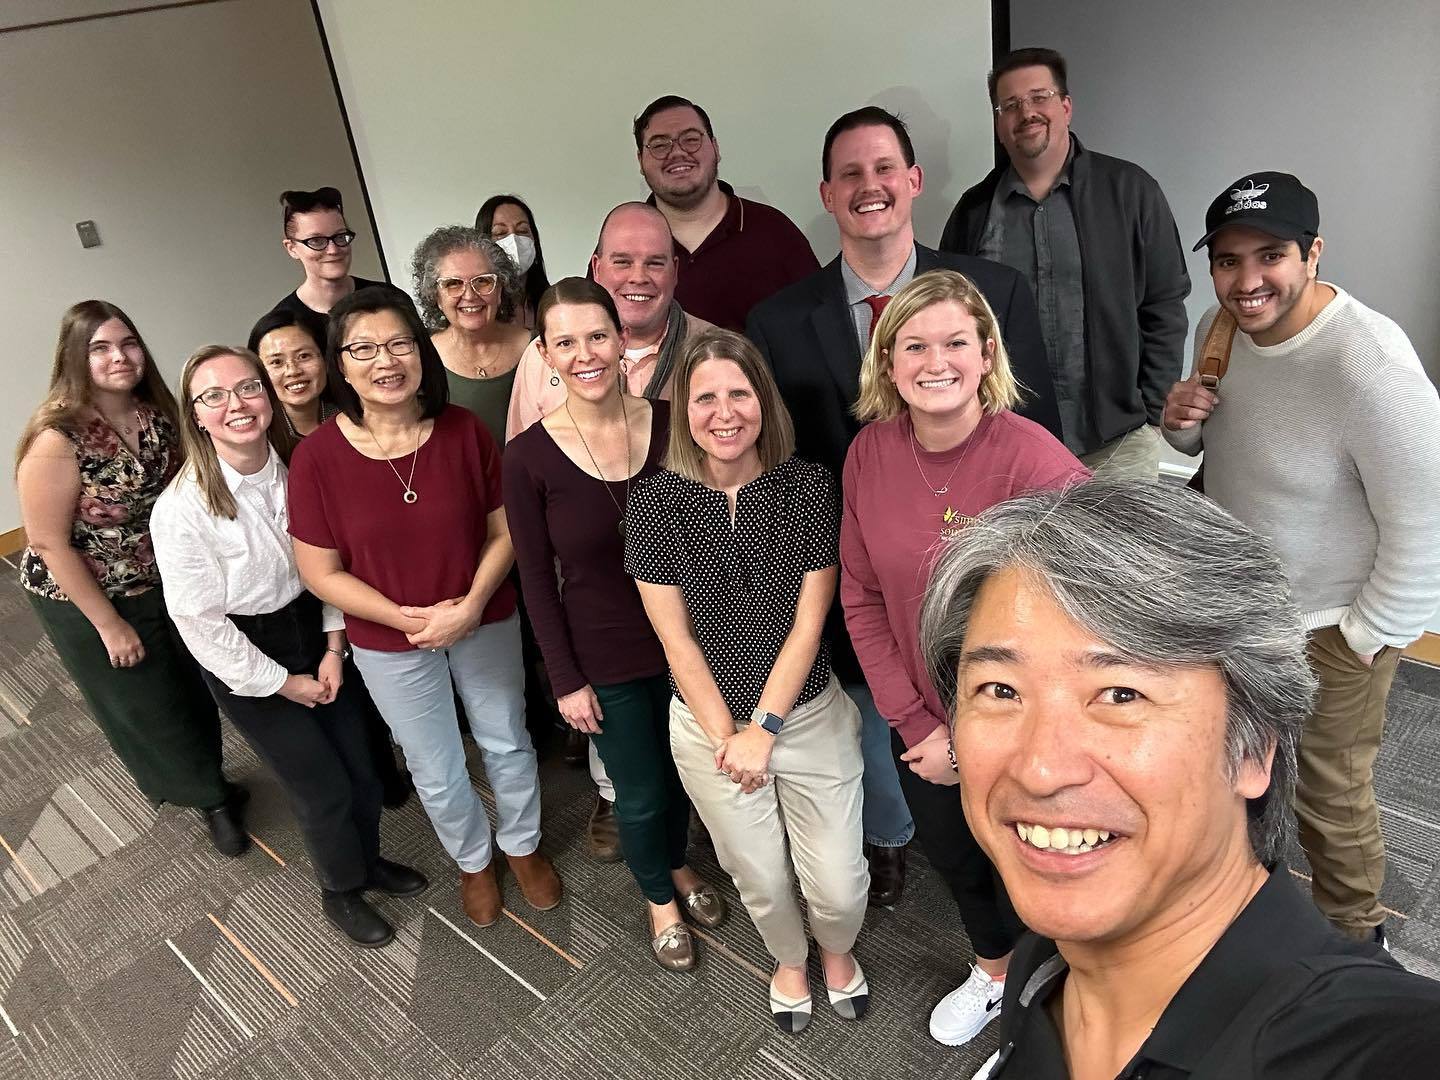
(814, 332)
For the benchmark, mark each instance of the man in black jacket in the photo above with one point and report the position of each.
(1095, 240)
(813, 334)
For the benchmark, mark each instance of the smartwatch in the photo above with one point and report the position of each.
(768, 720)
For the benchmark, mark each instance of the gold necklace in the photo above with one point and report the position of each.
(409, 495)
(625, 416)
(914, 451)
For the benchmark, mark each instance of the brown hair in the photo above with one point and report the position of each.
(777, 432)
(202, 463)
(71, 390)
(577, 291)
(878, 398)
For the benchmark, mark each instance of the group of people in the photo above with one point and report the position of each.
(814, 551)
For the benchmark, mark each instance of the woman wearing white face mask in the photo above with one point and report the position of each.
(468, 291)
(508, 221)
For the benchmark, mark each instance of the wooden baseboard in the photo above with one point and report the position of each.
(12, 542)
(1427, 649)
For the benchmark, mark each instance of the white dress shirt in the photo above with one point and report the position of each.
(212, 568)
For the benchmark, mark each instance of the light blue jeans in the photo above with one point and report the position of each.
(413, 692)
(886, 817)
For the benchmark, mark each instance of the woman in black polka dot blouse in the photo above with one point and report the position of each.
(734, 547)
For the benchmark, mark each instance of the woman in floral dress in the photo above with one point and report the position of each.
(91, 463)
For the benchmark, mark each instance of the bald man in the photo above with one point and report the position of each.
(635, 263)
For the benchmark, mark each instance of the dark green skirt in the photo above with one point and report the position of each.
(158, 715)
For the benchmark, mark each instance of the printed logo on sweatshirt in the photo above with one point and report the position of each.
(1249, 197)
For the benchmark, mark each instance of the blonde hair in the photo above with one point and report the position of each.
(879, 399)
(202, 464)
(777, 433)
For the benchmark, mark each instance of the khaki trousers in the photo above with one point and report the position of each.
(807, 817)
(1335, 796)
(1136, 454)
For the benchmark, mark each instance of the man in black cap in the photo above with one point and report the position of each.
(1325, 437)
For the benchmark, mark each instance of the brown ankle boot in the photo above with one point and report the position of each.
(539, 883)
(480, 895)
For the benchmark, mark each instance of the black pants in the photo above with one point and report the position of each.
(321, 756)
(944, 836)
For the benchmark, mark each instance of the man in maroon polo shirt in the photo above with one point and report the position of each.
(732, 252)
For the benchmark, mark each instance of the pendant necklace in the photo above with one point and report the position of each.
(625, 416)
(945, 489)
(409, 495)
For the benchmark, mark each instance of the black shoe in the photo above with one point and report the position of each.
(396, 789)
(357, 920)
(395, 880)
(226, 832)
(577, 748)
(887, 874)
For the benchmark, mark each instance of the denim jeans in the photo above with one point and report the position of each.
(413, 692)
(886, 817)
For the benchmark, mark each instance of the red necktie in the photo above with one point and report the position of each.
(877, 306)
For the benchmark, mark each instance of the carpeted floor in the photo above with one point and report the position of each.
(129, 948)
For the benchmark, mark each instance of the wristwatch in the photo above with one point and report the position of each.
(768, 720)
(344, 653)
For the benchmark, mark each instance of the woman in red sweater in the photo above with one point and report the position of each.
(944, 446)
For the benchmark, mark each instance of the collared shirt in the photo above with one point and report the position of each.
(1281, 995)
(856, 291)
(753, 253)
(1038, 237)
(213, 568)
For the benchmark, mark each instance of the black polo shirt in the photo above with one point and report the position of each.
(1281, 995)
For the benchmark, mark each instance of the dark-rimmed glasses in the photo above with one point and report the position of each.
(216, 396)
(368, 350)
(341, 240)
(690, 141)
(454, 287)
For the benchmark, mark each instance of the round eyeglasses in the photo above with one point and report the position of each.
(320, 243)
(368, 350)
(454, 287)
(661, 145)
(216, 396)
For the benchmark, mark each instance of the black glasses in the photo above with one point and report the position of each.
(454, 287)
(661, 145)
(216, 396)
(341, 240)
(1036, 99)
(368, 350)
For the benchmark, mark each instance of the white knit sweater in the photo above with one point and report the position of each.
(1329, 444)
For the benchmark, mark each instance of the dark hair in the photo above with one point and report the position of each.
(536, 280)
(434, 391)
(304, 202)
(1023, 58)
(659, 105)
(869, 116)
(575, 290)
(279, 319)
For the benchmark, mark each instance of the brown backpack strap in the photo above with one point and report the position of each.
(1215, 354)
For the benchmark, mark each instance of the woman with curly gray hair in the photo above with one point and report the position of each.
(467, 289)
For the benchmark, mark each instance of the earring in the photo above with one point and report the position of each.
(554, 377)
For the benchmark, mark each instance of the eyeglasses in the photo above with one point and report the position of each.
(1036, 99)
(320, 243)
(454, 287)
(661, 145)
(216, 396)
(368, 350)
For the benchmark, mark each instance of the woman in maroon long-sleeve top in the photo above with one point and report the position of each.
(567, 482)
(944, 446)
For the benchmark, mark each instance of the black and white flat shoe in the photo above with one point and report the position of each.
(792, 1015)
(852, 999)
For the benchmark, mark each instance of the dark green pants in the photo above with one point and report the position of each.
(651, 807)
(158, 715)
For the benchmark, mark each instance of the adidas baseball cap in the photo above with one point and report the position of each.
(1273, 202)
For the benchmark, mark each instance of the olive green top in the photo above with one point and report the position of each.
(488, 399)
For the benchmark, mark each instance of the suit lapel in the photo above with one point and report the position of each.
(835, 330)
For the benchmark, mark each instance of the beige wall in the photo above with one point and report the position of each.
(454, 100)
(175, 131)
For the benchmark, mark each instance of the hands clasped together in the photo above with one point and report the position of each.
(440, 625)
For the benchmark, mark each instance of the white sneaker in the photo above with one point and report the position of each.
(963, 1013)
(984, 1071)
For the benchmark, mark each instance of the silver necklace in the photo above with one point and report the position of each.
(625, 416)
(409, 495)
(914, 451)
(122, 426)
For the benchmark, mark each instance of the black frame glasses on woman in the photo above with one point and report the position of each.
(215, 396)
(368, 350)
(482, 284)
(341, 240)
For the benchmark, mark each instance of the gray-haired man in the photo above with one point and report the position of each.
(1127, 680)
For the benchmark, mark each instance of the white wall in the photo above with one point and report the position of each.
(175, 131)
(1344, 95)
(454, 100)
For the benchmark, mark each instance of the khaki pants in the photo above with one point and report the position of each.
(1135, 455)
(1335, 796)
(808, 815)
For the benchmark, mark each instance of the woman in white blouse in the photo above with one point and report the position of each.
(272, 656)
